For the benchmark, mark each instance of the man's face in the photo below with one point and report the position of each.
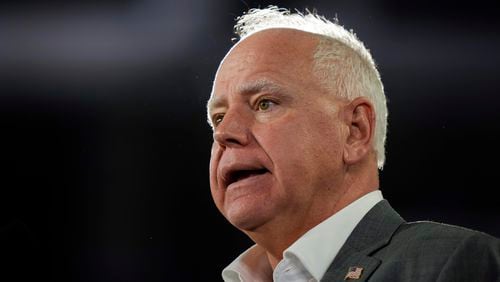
(278, 137)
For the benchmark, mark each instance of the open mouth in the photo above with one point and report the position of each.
(239, 175)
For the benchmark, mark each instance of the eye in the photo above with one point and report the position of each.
(264, 104)
(217, 119)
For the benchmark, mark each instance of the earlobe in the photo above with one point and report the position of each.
(361, 126)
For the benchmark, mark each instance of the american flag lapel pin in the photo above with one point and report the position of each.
(354, 273)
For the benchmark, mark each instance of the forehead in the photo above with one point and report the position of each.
(278, 45)
(266, 58)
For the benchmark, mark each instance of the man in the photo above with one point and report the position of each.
(299, 118)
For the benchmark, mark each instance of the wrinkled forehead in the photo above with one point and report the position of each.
(290, 48)
(277, 42)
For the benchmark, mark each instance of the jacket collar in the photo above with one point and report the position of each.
(373, 232)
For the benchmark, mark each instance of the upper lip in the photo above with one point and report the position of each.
(231, 173)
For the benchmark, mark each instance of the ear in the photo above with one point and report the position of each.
(360, 117)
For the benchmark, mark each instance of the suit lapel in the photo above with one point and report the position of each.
(373, 232)
(339, 270)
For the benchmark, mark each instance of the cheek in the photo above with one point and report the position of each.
(289, 148)
(299, 148)
(290, 138)
(214, 162)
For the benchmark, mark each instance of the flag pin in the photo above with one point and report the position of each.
(354, 273)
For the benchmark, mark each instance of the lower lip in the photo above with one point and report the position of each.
(251, 181)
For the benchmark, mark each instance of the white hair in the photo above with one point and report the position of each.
(342, 62)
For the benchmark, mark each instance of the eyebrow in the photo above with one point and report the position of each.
(246, 89)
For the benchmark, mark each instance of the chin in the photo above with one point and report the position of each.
(247, 219)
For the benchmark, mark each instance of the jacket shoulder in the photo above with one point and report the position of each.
(432, 238)
(429, 230)
(430, 251)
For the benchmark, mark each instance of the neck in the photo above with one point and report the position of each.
(279, 234)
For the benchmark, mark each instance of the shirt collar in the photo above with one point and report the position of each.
(315, 250)
(252, 265)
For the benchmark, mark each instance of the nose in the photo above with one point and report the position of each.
(233, 131)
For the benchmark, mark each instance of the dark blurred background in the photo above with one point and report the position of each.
(105, 147)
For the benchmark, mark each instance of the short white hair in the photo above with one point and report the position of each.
(342, 62)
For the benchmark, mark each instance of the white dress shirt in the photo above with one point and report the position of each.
(308, 258)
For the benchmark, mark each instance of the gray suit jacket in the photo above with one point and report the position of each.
(389, 249)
